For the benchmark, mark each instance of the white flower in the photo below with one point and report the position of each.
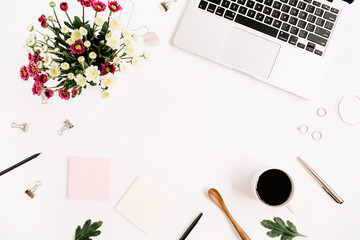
(30, 28)
(135, 61)
(98, 21)
(107, 80)
(70, 76)
(80, 80)
(128, 41)
(28, 49)
(113, 42)
(44, 49)
(107, 36)
(50, 18)
(105, 94)
(70, 41)
(135, 37)
(83, 31)
(117, 60)
(81, 59)
(64, 29)
(87, 44)
(54, 70)
(47, 60)
(130, 51)
(115, 23)
(46, 37)
(126, 33)
(65, 66)
(147, 55)
(92, 73)
(39, 64)
(92, 55)
(31, 41)
(123, 67)
(76, 35)
(56, 50)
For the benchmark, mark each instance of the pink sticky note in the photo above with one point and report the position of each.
(89, 178)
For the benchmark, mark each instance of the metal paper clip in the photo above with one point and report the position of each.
(67, 125)
(24, 126)
(31, 192)
(166, 5)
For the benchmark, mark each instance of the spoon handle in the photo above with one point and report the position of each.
(241, 232)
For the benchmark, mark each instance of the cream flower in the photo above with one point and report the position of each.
(113, 42)
(135, 61)
(126, 33)
(147, 55)
(130, 51)
(135, 37)
(46, 37)
(30, 28)
(98, 21)
(105, 94)
(107, 80)
(76, 35)
(81, 59)
(117, 60)
(31, 41)
(92, 55)
(54, 70)
(65, 66)
(107, 36)
(123, 67)
(47, 60)
(115, 23)
(64, 29)
(70, 41)
(128, 41)
(87, 44)
(70, 76)
(44, 49)
(83, 31)
(56, 50)
(39, 64)
(92, 73)
(80, 80)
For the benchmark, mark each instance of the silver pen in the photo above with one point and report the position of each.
(323, 184)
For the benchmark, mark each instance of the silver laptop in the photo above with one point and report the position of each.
(285, 43)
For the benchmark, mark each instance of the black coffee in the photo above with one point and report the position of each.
(274, 187)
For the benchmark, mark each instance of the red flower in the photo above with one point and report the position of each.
(37, 87)
(32, 69)
(64, 94)
(48, 93)
(114, 6)
(74, 92)
(24, 73)
(44, 24)
(42, 18)
(64, 6)
(86, 3)
(98, 6)
(43, 78)
(34, 58)
(77, 47)
(107, 68)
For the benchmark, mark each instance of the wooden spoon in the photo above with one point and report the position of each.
(217, 199)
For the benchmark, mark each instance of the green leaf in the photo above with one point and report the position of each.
(279, 228)
(77, 22)
(68, 25)
(88, 230)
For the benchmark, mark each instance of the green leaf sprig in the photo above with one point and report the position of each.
(279, 228)
(88, 230)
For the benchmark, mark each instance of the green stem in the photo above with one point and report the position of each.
(68, 17)
(108, 23)
(57, 18)
(83, 16)
(94, 22)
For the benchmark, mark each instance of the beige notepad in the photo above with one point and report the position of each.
(143, 205)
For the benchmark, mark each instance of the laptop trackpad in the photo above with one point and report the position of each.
(250, 53)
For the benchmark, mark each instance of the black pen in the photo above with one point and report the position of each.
(19, 163)
(193, 224)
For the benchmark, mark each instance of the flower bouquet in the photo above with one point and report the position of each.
(79, 54)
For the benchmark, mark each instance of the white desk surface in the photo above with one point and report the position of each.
(185, 124)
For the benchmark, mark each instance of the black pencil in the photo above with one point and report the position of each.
(193, 224)
(19, 164)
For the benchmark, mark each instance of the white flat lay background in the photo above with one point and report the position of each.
(185, 125)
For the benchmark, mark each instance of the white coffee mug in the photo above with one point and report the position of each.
(273, 187)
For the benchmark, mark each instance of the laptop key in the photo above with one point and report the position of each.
(220, 11)
(259, 7)
(301, 45)
(319, 12)
(234, 6)
(260, 17)
(310, 27)
(293, 20)
(310, 8)
(284, 17)
(326, 7)
(303, 15)
(250, 4)
(267, 10)
(322, 32)
(225, 3)
(294, 11)
(242, 2)
(303, 34)
(268, 2)
(293, 2)
(242, 10)
(285, 8)
(316, 39)
(277, 5)
(203, 5)
(334, 10)
(318, 52)
(316, 3)
(329, 25)
(294, 30)
(283, 36)
(268, 20)
(330, 16)
(277, 23)
(311, 18)
(310, 47)
(301, 5)
(261, 27)
(211, 8)
(320, 22)
(229, 15)
(293, 40)
(285, 27)
(275, 14)
(251, 13)
(301, 24)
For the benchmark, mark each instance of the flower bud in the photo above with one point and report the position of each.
(30, 28)
(81, 59)
(92, 55)
(87, 44)
(50, 18)
(70, 76)
(52, 4)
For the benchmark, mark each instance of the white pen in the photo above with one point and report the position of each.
(323, 184)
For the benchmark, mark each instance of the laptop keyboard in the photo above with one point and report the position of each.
(306, 24)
